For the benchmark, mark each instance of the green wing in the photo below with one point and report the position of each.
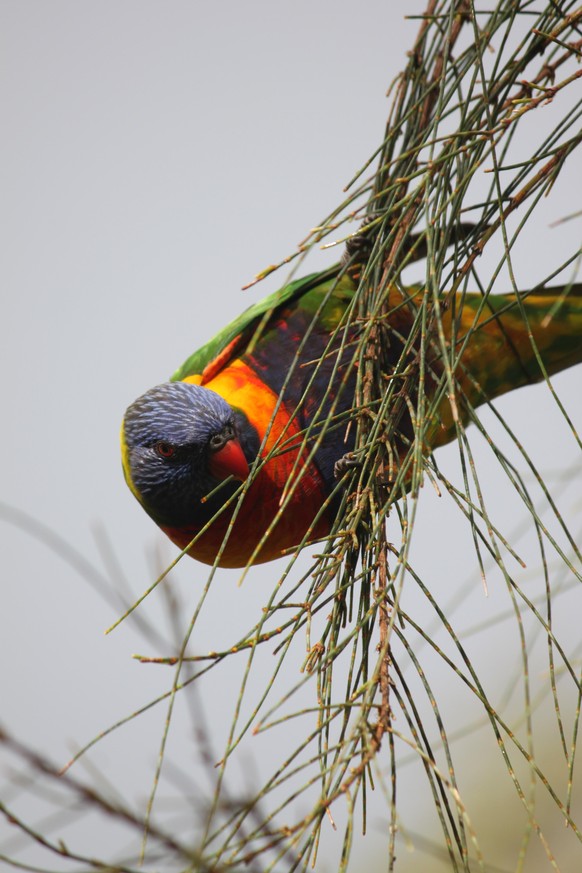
(236, 335)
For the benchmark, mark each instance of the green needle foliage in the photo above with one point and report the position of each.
(483, 121)
(474, 79)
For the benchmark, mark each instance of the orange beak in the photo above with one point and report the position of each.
(229, 461)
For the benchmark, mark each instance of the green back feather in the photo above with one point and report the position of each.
(245, 326)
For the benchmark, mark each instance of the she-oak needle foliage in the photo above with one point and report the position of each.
(484, 121)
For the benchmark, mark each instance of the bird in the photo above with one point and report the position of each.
(238, 457)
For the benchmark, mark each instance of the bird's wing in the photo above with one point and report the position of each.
(234, 339)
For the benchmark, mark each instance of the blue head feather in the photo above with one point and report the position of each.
(177, 412)
(186, 417)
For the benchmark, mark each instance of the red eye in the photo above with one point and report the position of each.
(165, 450)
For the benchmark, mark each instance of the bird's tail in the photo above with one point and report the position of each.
(519, 339)
(501, 342)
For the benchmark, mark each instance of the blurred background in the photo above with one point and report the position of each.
(155, 157)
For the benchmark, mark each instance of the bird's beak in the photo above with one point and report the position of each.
(229, 461)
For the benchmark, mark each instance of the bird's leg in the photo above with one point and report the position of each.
(359, 247)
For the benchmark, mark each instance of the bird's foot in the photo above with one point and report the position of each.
(345, 464)
(359, 247)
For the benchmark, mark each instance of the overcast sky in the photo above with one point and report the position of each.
(155, 156)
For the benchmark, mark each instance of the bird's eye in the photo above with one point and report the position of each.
(165, 450)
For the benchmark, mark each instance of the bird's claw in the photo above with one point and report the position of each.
(359, 247)
(344, 464)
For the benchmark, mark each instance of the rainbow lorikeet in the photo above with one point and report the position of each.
(277, 387)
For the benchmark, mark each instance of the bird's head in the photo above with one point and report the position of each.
(179, 441)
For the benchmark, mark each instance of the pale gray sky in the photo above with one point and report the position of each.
(154, 157)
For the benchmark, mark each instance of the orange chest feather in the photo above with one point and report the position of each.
(287, 491)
